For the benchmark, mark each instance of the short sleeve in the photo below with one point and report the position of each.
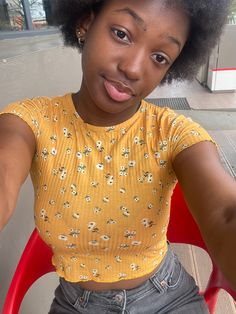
(182, 133)
(30, 110)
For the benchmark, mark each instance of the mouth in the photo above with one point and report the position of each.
(118, 91)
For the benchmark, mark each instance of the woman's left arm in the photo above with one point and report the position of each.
(211, 196)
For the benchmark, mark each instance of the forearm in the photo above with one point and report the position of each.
(9, 189)
(220, 238)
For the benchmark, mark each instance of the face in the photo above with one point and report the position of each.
(129, 47)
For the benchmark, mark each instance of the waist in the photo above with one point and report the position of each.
(124, 284)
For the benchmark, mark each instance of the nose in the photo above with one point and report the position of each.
(132, 63)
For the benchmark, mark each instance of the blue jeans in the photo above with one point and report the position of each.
(170, 290)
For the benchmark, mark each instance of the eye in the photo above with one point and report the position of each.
(121, 35)
(160, 59)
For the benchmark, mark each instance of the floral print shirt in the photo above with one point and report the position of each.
(102, 194)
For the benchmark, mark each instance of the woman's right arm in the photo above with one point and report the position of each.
(17, 148)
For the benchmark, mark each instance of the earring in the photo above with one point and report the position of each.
(80, 41)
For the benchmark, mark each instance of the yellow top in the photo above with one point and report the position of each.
(102, 194)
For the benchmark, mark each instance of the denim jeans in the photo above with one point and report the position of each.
(170, 290)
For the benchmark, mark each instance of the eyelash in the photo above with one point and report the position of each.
(116, 31)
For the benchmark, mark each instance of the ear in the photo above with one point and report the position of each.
(84, 25)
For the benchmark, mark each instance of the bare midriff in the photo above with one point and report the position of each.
(118, 285)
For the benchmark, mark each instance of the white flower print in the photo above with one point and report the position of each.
(108, 158)
(125, 211)
(66, 204)
(76, 215)
(134, 267)
(150, 206)
(79, 155)
(105, 237)
(105, 199)
(99, 146)
(43, 214)
(131, 163)
(44, 154)
(138, 141)
(122, 190)
(100, 166)
(136, 243)
(92, 227)
(123, 171)
(95, 273)
(110, 179)
(122, 276)
(68, 151)
(51, 202)
(111, 221)
(63, 173)
(58, 215)
(74, 233)
(94, 184)
(81, 168)
(194, 133)
(118, 259)
(136, 198)
(157, 155)
(147, 223)
(63, 190)
(73, 189)
(130, 234)
(94, 243)
(53, 138)
(71, 246)
(62, 237)
(87, 151)
(88, 198)
(97, 210)
(125, 152)
(163, 163)
(54, 151)
(66, 133)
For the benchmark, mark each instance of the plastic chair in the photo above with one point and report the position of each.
(36, 258)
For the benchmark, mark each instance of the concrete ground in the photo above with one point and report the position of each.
(25, 59)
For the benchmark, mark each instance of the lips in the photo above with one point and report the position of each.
(118, 91)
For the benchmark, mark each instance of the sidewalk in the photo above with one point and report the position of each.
(25, 58)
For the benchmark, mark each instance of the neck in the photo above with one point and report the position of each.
(93, 115)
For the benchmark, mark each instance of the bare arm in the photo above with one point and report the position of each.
(17, 147)
(211, 195)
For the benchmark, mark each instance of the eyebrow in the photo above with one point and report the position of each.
(135, 16)
(174, 41)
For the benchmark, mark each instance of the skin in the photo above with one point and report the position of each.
(134, 47)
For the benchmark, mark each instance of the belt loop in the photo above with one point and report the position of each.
(83, 300)
(125, 302)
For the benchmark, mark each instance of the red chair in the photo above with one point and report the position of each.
(36, 258)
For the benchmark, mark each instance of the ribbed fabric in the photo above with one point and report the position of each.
(102, 194)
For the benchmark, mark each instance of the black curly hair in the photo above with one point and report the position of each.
(207, 19)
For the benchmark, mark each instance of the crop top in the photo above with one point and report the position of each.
(102, 194)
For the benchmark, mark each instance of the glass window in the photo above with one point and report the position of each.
(12, 15)
(19, 15)
(232, 16)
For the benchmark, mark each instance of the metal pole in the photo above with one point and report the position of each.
(28, 19)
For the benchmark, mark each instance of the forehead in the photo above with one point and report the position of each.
(151, 15)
